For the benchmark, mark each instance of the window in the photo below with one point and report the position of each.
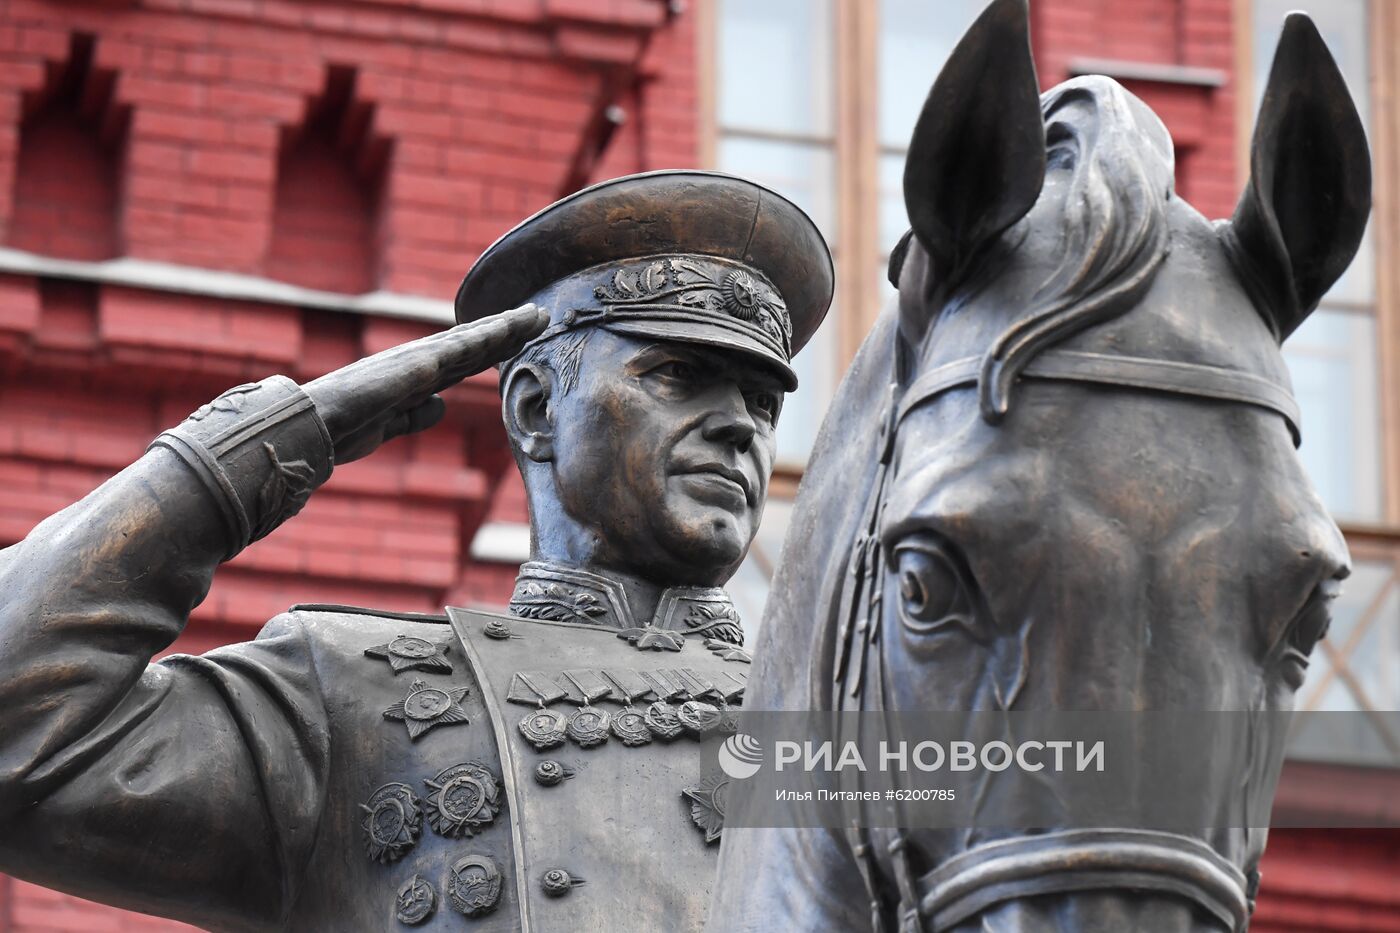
(817, 100)
(775, 122)
(912, 48)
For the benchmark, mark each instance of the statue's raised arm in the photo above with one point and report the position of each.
(193, 788)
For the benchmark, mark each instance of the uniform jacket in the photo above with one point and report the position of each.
(347, 769)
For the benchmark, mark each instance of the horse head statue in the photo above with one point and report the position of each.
(1074, 439)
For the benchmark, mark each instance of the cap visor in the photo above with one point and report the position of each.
(707, 335)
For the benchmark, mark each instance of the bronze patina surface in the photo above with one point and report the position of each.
(356, 769)
(1061, 475)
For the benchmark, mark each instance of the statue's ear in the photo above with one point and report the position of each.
(526, 411)
(976, 162)
(1301, 217)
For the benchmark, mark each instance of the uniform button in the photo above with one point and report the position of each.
(550, 772)
(557, 882)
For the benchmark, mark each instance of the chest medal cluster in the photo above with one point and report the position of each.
(458, 802)
(583, 707)
(656, 704)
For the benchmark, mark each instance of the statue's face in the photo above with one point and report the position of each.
(663, 451)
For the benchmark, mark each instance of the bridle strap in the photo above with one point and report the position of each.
(1084, 860)
(1201, 380)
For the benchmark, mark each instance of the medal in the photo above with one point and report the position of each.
(696, 715)
(544, 728)
(416, 901)
(474, 885)
(411, 653)
(699, 717)
(630, 726)
(661, 718)
(426, 707)
(392, 821)
(588, 726)
(464, 799)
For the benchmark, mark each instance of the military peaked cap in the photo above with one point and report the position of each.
(699, 257)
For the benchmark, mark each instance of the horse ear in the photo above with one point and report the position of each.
(976, 162)
(1301, 217)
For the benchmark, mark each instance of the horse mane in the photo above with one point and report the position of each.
(1115, 232)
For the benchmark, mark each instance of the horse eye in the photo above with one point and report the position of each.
(932, 593)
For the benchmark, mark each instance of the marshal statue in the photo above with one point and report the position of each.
(365, 770)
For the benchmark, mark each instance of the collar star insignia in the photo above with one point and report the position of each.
(707, 805)
(653, 639)
(426, 707)
(728, 652)
(411, 653)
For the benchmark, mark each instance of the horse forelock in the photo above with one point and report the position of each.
(1107, 221)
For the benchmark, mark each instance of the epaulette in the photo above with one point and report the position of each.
(438, 618)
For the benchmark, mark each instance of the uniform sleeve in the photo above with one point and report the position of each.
(190, 788)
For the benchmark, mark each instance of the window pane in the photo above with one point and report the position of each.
(916, 38)
(774, 61)
(1332, 358)
(1366, 632)
(749, 586)
(1344, 26)
(894, 219)
(804, 173)
(804, 409)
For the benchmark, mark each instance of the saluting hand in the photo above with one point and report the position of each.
(394, 392)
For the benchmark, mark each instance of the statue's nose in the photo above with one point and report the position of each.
(730, 422)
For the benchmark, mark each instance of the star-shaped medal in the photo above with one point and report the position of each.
(426, 706)
(707, 805)
(411, 653)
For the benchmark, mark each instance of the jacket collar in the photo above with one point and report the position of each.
(547, 590)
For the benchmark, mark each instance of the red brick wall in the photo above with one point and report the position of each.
(190, 131)
(1325, 880)
(346, 145)
(1192, 33)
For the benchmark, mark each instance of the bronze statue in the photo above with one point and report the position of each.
(362, 770)
(1073, 443)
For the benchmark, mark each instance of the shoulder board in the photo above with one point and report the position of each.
(440, 619)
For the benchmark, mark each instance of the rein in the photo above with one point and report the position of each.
(1058, 862)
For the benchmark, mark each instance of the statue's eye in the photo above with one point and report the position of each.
(933, 588)
(767, 402)
(679, 370)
